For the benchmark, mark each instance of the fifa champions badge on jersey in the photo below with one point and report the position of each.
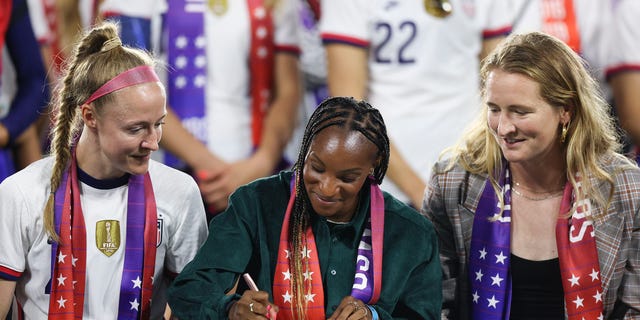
(108, 236)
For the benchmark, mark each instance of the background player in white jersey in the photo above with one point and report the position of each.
(93, 230)
(623, 68)
(420, 70)
(237, 132)
(581, 24)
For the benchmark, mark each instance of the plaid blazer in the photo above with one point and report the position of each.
(450, 202)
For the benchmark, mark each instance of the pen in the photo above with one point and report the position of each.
(250, 282)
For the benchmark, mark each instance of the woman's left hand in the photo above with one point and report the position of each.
(351, 308)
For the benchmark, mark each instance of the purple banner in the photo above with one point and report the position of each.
(131, 284)
(490, 254)
(363, 281)
(187, 76)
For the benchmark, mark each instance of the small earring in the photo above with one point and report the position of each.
(371, 172)
(563, 134)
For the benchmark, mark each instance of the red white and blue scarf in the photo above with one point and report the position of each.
(489, 261)
(68, 257)
(367, 282)
(188, 75)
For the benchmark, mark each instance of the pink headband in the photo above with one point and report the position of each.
(131, 77)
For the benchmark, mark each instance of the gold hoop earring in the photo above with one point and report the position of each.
(563, 134)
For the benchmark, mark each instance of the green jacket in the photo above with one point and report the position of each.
(245, 238)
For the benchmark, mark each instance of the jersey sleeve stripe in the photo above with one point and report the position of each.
(503, 31)
(9, 274)
(288, 49)
(338, 38)
(610, 72)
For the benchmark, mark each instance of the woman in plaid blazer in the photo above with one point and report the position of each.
(536, 212)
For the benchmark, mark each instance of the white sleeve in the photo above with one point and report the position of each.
(13, 235)
(137, 8)
(346, 21)
(497, 17)
(190, 230)
(39, 21)
(624, 45)
(285, 20)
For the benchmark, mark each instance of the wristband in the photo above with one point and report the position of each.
(374, 313)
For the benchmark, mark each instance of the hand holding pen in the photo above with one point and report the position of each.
(253, 303)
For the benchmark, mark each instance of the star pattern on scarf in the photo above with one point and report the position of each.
(493, 302)
(134, 304)
(306, 253)
(287, 297)
(495, 270)
(63, 296)
(61, 303)
(307, 275)
(483, 254)
(137, 283)
(309, 296)
(61, 280)
(496, 280)
(589, 279)
(500, 258)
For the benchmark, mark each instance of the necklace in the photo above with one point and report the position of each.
(548, 195)
(560, 188)
(338, 222)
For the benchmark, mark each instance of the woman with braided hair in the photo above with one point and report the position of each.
(316, 239)
(93, 230)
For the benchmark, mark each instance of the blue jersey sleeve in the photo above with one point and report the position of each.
(33, 91)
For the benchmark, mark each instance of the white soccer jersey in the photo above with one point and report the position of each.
(25, 251)
(39, 21)
(423, 70)
(228, 102)
(313, 66)
(592, 19)
(624, 53)
(138, 8)
(228, 77)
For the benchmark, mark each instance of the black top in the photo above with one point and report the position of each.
(536, 289)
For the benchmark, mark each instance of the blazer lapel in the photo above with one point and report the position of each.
(469, 199)
(608, 230)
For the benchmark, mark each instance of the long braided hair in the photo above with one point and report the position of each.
(345, 113)
(96, 61)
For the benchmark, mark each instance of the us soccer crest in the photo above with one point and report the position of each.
(159, 232)
(219, 7)
(108, 236)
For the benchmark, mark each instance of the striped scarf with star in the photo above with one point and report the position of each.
(370, 249)
(68, 257)
(489, 263)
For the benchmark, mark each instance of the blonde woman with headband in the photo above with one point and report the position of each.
(536, 212)
(233, 86)
(93, 230)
